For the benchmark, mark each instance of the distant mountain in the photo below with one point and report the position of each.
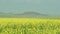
(25, 14)
(32, 14)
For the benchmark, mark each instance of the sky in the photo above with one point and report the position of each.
(49, 7)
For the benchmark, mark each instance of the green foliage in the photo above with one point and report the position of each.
(30, 28)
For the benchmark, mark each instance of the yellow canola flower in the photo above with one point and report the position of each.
(27, 20)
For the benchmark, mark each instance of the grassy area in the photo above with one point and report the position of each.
(29, 26)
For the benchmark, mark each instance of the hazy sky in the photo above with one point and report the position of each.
(50, 7)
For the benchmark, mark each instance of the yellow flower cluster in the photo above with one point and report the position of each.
(29, 26)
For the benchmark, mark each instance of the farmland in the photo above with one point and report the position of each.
(29, 26)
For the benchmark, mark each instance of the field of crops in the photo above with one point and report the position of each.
(29, 26)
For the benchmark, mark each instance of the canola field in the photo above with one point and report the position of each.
(29, 26)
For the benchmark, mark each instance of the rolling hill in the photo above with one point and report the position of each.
(25, 14)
